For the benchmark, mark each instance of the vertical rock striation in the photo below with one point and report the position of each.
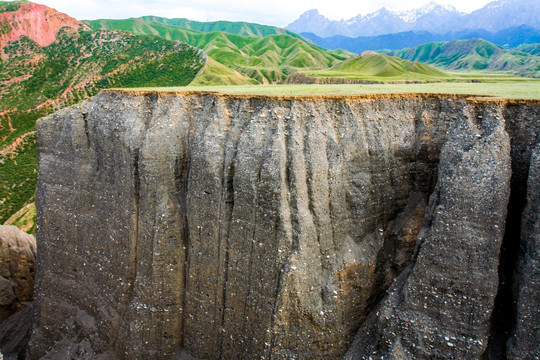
(524, 344)
(442, 307)
(215, 227)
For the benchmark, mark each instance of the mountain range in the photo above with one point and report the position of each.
(434, 18)
(508, 38)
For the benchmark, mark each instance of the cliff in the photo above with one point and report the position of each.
(207, 226)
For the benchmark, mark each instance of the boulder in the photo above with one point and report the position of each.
(17, 257)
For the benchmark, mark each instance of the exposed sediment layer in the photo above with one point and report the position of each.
(211, 226)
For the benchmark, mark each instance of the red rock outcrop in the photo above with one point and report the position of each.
(37, 22)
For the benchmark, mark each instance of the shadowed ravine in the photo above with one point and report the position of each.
(208, 226)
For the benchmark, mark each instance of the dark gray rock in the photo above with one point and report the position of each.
(442, 305)
(15, 334)
(208, 226)
(525, 342)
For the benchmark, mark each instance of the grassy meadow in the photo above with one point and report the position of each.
(499, 87)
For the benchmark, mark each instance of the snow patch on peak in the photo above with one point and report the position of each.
(434, 8)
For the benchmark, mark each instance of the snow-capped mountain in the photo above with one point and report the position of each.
(431, 9)
(432, 17)
(503, 14)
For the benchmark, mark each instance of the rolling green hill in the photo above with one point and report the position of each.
(237, 28)
(267, 59)
(533, 49)
(372, 66)
(215, 73)
(35, 81)
(473, 55)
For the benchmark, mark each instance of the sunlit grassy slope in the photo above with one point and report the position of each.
(513, 89)
(371, 66)
(215, 73)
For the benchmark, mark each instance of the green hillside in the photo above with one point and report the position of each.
(6, 6)
(473, 55)
(533, 49)
(267, 59)
(372, 66)
(215, 73)
(343, 53)
(238, 27)
(35, 81)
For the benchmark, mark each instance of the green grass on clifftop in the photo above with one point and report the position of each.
(520, 89)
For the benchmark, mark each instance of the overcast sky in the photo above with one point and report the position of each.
(270, 12)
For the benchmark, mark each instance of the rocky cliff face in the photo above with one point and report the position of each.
(214, 227)
(526, 336)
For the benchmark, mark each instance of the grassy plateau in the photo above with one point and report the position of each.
(511, 89)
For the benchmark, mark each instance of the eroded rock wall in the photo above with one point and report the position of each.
(442, 307)
(525, 341)
(217, 227)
